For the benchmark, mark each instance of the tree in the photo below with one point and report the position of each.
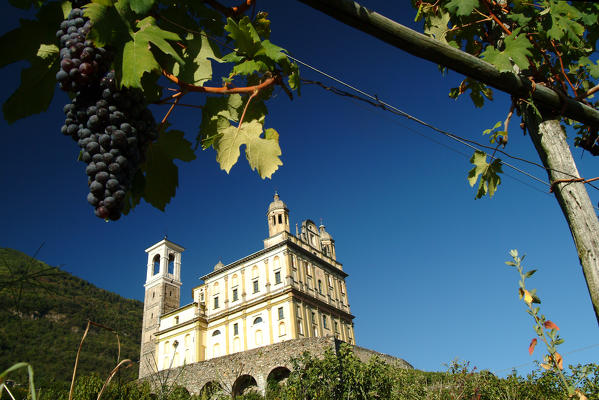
(525, 45)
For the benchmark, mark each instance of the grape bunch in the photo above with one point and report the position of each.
(113, 128)
(81, 63)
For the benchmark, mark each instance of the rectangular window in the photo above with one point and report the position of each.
(255, 283)
(313, 317)
(202, 297)
(215, 302)
(235, 329)
(319, 286)
(336, 326)
(281, 314)
(235, 296)
(300, 327)
(277, 277)
(325, 324)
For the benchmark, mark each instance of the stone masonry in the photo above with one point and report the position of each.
(238, 371)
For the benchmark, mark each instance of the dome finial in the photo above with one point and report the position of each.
(276, 197)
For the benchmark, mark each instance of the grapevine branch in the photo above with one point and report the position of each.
(570, 181)
(246, 108)
(559, 56)
(230, 11)
(221, 90)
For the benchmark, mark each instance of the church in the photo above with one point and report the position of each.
(293, 288)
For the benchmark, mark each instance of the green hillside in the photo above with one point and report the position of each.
(44, 312)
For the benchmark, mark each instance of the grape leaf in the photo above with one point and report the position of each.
(161, 173)
(437, 26)
(109, 27)
(37, 86)
(489, 174)
(23, 42)
(262, 152)
(563, 23)
(141, 6)
(461, 7)
(216, 114)
(272, 51)
(245, 36)
(262, 24)
(197, 55)
(249, 67)
(137, 56)
(516, 51)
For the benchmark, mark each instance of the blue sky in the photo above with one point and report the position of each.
(427, 280)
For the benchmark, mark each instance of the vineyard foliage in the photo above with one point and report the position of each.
(150, 44)
(549, 42)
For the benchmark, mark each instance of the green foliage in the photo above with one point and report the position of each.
(42, 307)
(179, 40)
(488, 173)
(548, 42)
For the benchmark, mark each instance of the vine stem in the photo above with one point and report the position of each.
(177, 97)
(230, 11)
(588, 93)
(220, 90)
(561, 63)
(246, 108)
(506, 30)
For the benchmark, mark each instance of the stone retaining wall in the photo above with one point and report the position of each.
(235, 371)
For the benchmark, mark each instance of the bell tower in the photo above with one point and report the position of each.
(163, 287)
(278, 217)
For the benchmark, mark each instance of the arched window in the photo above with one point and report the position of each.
(216, 350)
(215, 288)
(187, 340)
(255, 272)
(326, 250)
(257, 320)
(156, 262)
(171, 264)
(282, 329)
(258, 337)
(216, 333)
(234, 280)
(276, 262)
(236, 344)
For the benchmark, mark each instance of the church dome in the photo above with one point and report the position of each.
(324, 235)
(277, 204)
(219, 265)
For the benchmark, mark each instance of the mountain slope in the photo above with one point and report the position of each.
(44, 312)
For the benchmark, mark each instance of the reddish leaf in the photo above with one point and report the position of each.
(559, 360)
(532, 345)
(550, 325)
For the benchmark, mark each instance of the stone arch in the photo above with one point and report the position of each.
(211, 390)
(244, 384)
(278, 375)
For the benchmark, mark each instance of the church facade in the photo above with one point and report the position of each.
(294, 288)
